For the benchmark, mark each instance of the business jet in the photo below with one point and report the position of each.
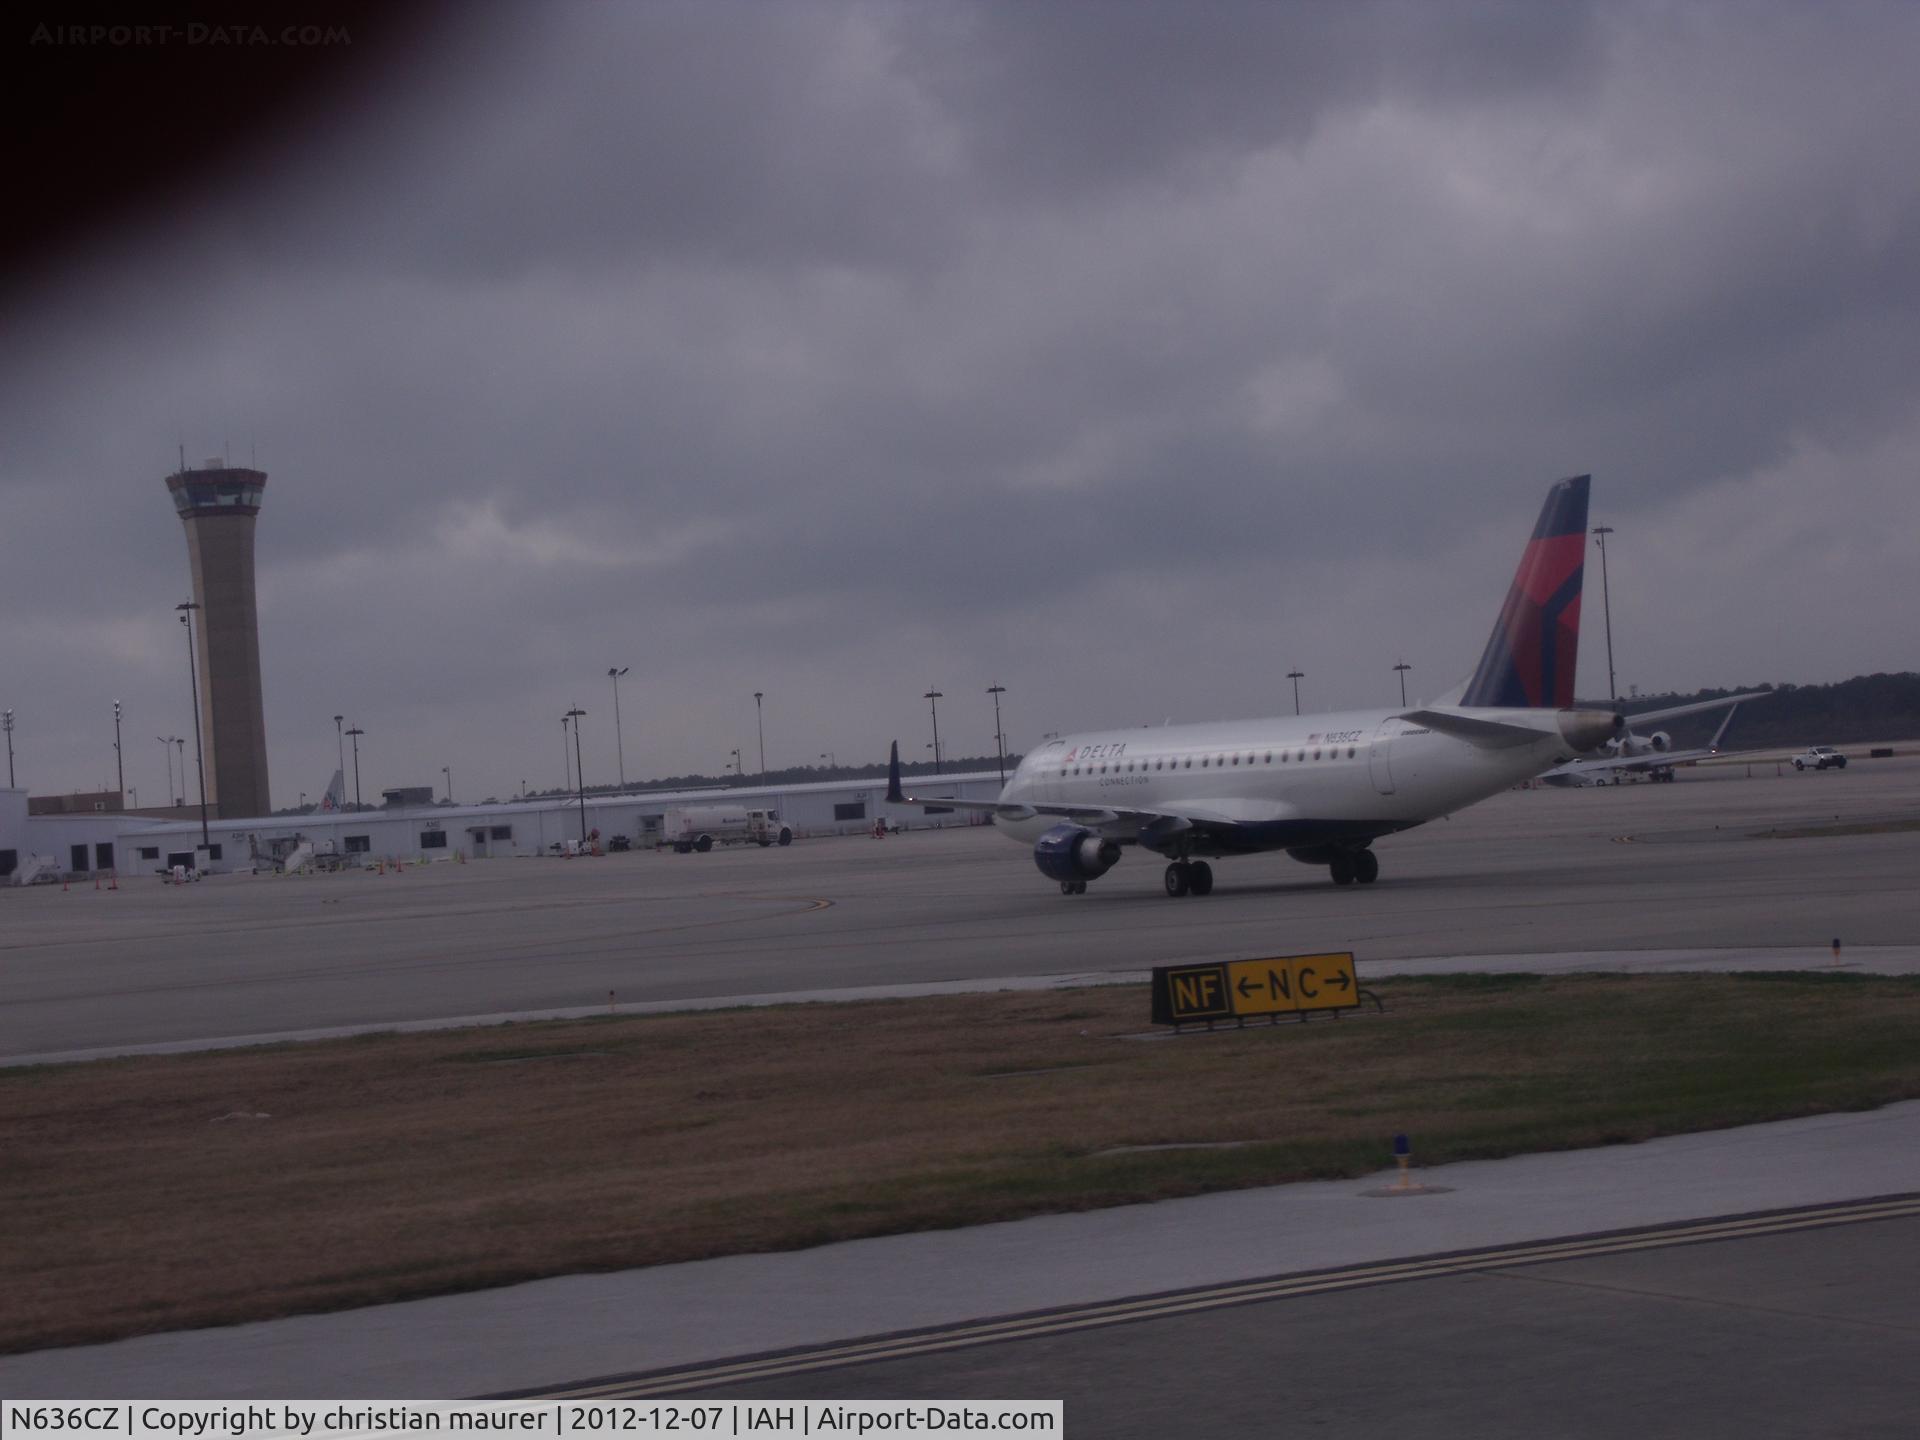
(1653, 754)
(1322, 788)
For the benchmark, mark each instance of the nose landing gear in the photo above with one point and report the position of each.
(1073, 887)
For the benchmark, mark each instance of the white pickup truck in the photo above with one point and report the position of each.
(1820, 757)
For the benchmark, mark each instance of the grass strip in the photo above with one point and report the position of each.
(179, 1191)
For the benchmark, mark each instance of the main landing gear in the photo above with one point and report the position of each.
(1073, 887)
(1348, 866)
(1189, 877)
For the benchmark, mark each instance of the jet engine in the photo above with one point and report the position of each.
(1072, 852)
(1630, 744)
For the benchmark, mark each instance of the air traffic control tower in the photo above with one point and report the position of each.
(217, 504)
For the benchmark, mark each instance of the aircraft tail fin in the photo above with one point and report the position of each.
(894, 794)
(335, 795)
(1529, 659)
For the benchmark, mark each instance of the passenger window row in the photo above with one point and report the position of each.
(1300, 755)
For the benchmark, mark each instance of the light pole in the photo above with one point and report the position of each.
(1296, 676)
(1403, 667)
(1600, 533)
(734, 755)
(566, 757)
(166, 749)
(303, 802)
(999, 740)
(619, 747)
(180, 750)
(579, 774)
(186, 609)
(343, 748)
(760, 724)
(447, 771)
(356, 732)
(933, 699)
(119, 761)
(827, 755)
(7, 719)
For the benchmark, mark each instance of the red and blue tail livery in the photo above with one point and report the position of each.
(1529, 659)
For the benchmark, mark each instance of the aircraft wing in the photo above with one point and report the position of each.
(1156, 827)
(1693, 708)
(1168, 821)
(1156, 820)
(1576, 771)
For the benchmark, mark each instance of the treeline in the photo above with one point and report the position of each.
(1865, 708)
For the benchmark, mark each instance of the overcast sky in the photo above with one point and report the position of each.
(1125, 355)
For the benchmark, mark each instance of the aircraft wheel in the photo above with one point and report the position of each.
(1366, 867)
(1200, 878)
(1342, 869)
(1178, 879)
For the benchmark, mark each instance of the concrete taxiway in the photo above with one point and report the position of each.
(1613, 872)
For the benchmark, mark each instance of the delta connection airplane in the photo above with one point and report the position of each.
(1322, 788)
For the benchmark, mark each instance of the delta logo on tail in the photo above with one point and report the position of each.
(1529, 659)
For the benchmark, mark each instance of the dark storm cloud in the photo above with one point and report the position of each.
(1083, 94)
(610, 139)
(1125, 354)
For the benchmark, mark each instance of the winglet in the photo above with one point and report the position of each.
(894, 797)
(1714, 744)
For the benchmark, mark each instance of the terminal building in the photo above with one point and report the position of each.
(63, 847)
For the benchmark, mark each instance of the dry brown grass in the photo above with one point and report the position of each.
(403, 1166)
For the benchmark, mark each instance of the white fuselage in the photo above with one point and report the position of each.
(1292, 781)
